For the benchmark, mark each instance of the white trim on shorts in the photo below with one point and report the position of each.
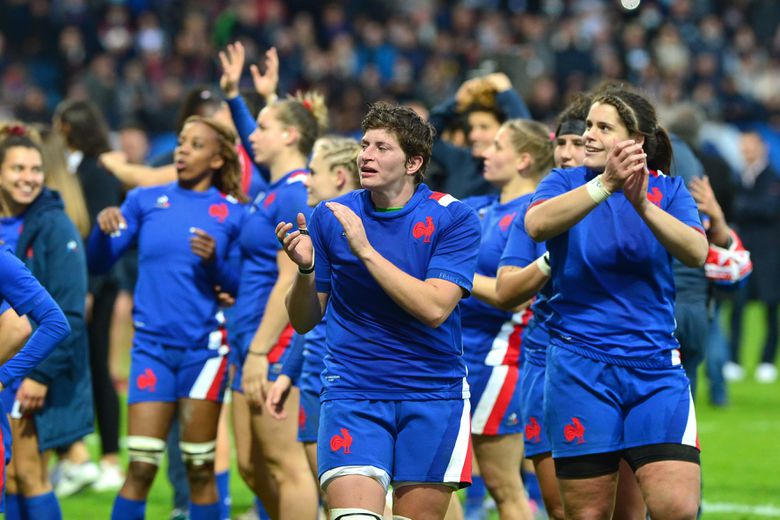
(374, 472)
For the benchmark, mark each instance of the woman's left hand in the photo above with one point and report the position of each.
(254, 377)
(353, 229)
(31, 395)
(635, 189)
(203, 245)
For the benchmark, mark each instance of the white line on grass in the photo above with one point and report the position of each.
(727, 507)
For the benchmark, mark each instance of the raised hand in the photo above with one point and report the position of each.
(267, 83)
(624, 160)
(705, 198)
(297, 244)
(353, 229)
(499, 81)
(232, 61)
(111, 221)
(635, 189)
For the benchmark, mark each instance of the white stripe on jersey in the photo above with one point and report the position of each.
(489, 397)
(690, 434)
(298, 177)
(200, 388)
(446, 200)
(460, 451)
(500, 344)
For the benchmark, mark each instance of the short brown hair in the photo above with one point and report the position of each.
(415, 135)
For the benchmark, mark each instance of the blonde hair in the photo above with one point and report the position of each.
(339, 151)
(228, 178)
(533, 138)
(307, 112)
(58, 178)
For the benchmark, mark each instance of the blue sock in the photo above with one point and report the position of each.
(205, 511)
(14, 507)
(262, 514)
(532, 486)
(126, 509)
(43, 507)
(475, 493)
(223, 492)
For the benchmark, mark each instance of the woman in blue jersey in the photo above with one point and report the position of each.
(615, 387)
(334, 173)
(52, 406)
(178, 360)
(21, 293)
(521, 154)
(392, 263)
(523, 274)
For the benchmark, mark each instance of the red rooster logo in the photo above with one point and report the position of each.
(532, 430)
(301, 418)
(574, 431)
(147, 380)
(344, 441)
(655, 196)
(424, 231)
(219, 211)
(506, 221)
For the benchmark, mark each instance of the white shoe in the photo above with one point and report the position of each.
(75, 477)
(111, 477)
(766, 373)
(733, 372)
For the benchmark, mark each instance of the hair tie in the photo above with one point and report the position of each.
(17, 130)
(307, 105)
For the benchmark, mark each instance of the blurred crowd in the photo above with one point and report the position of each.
(137, 58)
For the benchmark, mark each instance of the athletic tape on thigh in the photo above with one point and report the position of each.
(353, 514)
(145, 449)
(198, 453)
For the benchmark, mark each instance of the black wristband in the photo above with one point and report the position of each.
(308, 270)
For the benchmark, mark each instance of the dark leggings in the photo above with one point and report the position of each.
(106, 399)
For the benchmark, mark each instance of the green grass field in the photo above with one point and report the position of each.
(740, 458)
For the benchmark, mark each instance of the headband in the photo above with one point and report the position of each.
(571, 126)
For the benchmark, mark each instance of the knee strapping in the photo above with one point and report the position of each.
(351, 513)
(145, 449)
(198, 453)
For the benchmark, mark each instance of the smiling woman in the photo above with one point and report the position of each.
(55, 399)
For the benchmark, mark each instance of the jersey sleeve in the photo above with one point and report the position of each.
(455, 257)
(520, 249)
(556, 183)
(102, 249)
(319, 233)
(293, 363)
(26, 296)
(682, 206)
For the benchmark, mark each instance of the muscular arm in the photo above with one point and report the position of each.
(682, 241)
(14, 331)
(484, 289)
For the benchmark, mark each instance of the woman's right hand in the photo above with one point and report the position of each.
(266, 84)
(277, 396)
(111, 220)
(297, 244)
(232, 61)
(254, 377)
(624, 160)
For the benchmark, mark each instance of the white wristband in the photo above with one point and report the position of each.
(543, 263)
(596, 190)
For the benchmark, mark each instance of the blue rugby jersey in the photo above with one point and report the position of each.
(492, 336)
(175, 302)
(306, 360)
(19, 290)
(612, 279)
(520, 251)
(10, 231)
(283, 201)
(375, 349)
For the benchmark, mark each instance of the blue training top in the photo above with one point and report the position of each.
(375, 349)
(492, 336)
(175, 302)
(283, 201)
(612, 279)
(520, 251)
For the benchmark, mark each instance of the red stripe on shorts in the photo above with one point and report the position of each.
(276, 352)
(502, 402)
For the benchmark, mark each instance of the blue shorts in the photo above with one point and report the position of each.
(536, 439)
(409, 441)
(597, 407)
(276, 355)
(163, 373)
(495, 399)
(308, 416)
